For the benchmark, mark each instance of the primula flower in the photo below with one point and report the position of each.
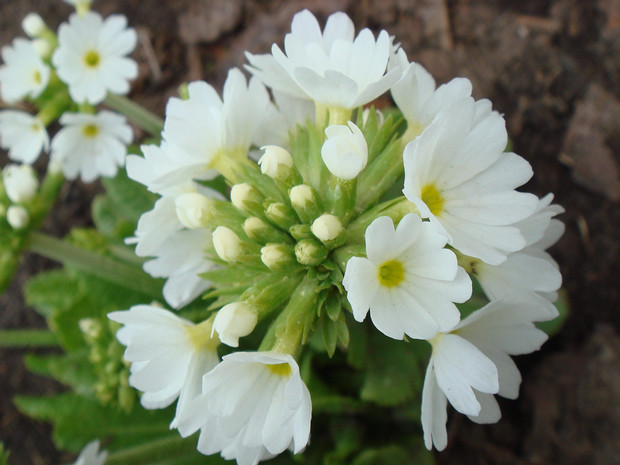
(472, 362)
(330, 67)
(458, 176)
(345, 152)
(91, 56)
(254, 406)
(409, 281)
(91, 145)
(23, 135)
(20, 182)
(90, 455)
(24, 74)
(168, 355)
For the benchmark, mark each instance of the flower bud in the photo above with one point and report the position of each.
(345, 152)
(33, 25)
(17, 216)
(310, 252)
(20, 182)
(327, 228)
(281, 215)
(262, 232)
(234, 321)
(193, 210)
(304, 201)
(277, 163)
(246, 199)
(300, 231)
(227, 244)
(43, 48)
(277, 257)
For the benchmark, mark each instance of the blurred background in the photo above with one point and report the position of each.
(551, 66)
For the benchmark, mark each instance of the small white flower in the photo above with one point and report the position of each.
(91, 56)
(20, 182)
(17, 217)
(330, 67)
(458, 176)
(345, 152)
(23, 135)
(90, 455)
(168, 355)
(23, 74)
(91, 145)
(409, 281)
(472, 362)
(254, 406)
(234, 321)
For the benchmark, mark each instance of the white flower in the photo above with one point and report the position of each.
(254, 406)
(177, 252)
(472, 362)
(24, 74)
(531, 269)
(409, 281)
(91, 59)
(90, 455)
(330, 67)
(91, 145)
(234, 321)
(458, 176)
(202, 132)
(168, 355)
(282, 117)
(23, 135)
(20, 182)
(345, 152)
(418, 99)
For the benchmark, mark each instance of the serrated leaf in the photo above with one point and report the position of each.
(51, 290)
(72, 369)
(333, 306)
(342, 330)
(394, 371)
(130, 198)
(330, 335)
(108, 221)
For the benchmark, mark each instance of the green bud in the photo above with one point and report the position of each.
(327, 228)
(263, 232)
(304, 201)
(247, 199)
(281, 215)
(278, 257)
(300, 231)
(310, 252)
(277, 163)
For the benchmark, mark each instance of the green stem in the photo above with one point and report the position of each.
(137, 114)
(27, 338)
(127, 276)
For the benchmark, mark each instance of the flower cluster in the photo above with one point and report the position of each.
(64, 76)
(313, 232)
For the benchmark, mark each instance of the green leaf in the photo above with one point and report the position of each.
(4, 455)
(394, 370)
(72, 369)
(553, 327)
(389, 455)
(107, 220)
(78, 420)
(50, 291)
(129, 198)
(330, 335)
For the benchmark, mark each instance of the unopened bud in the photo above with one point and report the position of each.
(193, 210)
(262, 232)
(246, 199)
(304, 201)
(310, 252)
(234, 321)
(20, 182)
(17, 216)
(277, 257)
(33, 25)
(327, 228)
(227, 244)
(281, 215)
(345, 152)
(43, 47)
(275, 161)
(300, 231)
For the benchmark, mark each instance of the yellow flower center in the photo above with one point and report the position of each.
(37, 77)
(280, 369)
(90, 130)
(92, 58)
(200, 335)
(391, 273)
(432, 198)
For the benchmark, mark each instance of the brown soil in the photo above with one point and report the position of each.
(553, 68)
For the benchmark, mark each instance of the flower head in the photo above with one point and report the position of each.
(23, 135)
(23, 74)
(409, 281)
(91, 145)
(331, 67)
(91, 56)
(345, 152)
(254, 406)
